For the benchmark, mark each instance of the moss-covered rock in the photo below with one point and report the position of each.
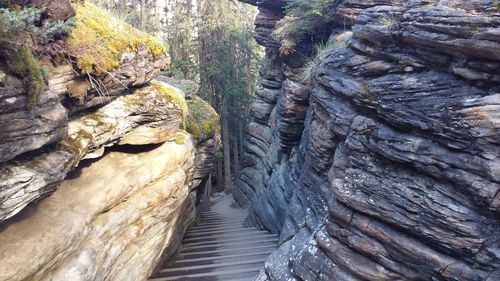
(99, 41)
(202, 121)
(175, 95)
(23, 64)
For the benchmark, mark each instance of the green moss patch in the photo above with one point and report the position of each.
(24, 64)
(99, 40)
(202, 120)
(175, 95)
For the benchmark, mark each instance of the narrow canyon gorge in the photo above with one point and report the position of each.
(385, 166)
(372, 151)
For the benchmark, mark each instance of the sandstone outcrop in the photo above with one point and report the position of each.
(386, 166)
(24, 130)
(99, 180)
(111, 221)
(99, 82)
(122, 121)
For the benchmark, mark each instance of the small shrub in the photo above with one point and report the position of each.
(320, 49)
(27, 26)
(22, 31)
(303, 19)
(391, 22)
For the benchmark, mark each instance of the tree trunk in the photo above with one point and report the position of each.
(208, 190)
(241, 133)
(236, 156)
(227, 155)
(220, 175)
(143, 15)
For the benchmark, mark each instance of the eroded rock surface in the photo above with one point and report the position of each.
(109, 222)
(29, 178)
(23, 129)
(117, 214)
(99, 181)
(386, 166)
(40, 145)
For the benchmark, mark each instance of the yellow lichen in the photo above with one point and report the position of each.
(202, 120)
(175, 95)
(179, 138)
(99, 40)
(192, 128)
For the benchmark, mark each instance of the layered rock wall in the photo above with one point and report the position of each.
(98, 181)
(110, 222)
(384, 167)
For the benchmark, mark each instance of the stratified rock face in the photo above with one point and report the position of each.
(29, 178)
(99, 181)
(24, 130)
(39, 146)
(107, 57)
(395, 175)
(116, 217)
(110, 222)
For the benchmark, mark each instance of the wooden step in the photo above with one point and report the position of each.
(190, 234)
(234, 241)
(227, 236)
(220, 248)
(222, 245)
(219, 275)
(222, 258)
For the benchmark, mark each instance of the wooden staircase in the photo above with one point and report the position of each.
(220, 248)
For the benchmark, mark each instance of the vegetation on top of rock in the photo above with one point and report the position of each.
(24, 32)
(99, 40)
(202, 120)
(199, 118)
(173, 94)
(321, 50)
(29, 22)
(23, 64)
(303, 19)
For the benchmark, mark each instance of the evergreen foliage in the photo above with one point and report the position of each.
(130, 11)
(23, 31)
(29, 22)
(181, 40)
(303, 19)
(229, 59)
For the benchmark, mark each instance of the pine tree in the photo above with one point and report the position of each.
(227, 55)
